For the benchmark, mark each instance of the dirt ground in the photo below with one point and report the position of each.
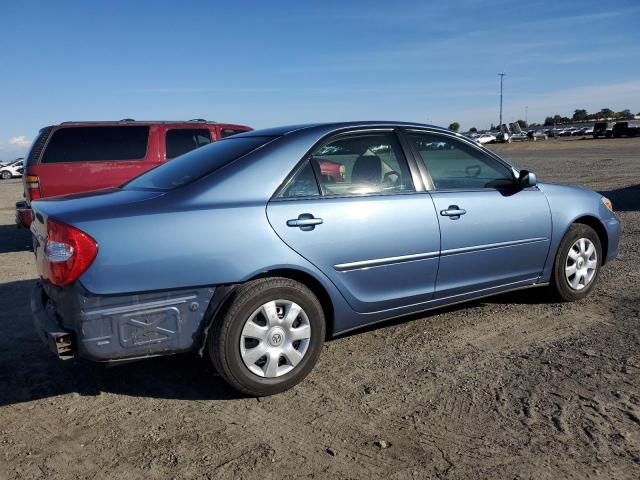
(507, 387)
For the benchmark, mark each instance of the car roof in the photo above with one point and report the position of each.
(127, 121)
(328, 127)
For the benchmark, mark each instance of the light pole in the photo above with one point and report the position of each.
(526, 115)
(501, 75)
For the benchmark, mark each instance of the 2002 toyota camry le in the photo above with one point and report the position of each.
(244, 251)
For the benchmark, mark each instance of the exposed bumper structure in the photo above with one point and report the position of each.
(23, 214)
(74, 322)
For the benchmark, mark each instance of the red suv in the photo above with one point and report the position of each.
(78, 157)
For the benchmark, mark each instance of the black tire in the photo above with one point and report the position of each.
(560, 285)
(223, 344)
(5, 175)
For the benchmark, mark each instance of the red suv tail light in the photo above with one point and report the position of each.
(32, 182)
(68, 252)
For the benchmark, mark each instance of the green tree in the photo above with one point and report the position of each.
(557, 119)
(522, 123)
(473, 130)
(548, 121)
(455, 126)
(624, 115)
(579, 115)
(605, 113)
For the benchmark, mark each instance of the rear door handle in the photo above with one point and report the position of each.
(304, 222)
(453, 211)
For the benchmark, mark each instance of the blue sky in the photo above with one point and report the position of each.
(271, 63)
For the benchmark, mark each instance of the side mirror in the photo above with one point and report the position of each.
(527, 179)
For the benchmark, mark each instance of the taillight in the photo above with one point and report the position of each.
(32, 184)
(68, 252)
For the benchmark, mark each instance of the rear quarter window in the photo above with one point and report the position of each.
(96, 144)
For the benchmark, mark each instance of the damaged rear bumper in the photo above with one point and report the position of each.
(74, 322)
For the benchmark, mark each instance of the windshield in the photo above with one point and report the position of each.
(196, 164)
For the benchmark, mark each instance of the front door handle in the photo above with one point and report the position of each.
(453, 212)
(305, 222)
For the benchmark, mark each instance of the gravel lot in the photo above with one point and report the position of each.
(507, 387)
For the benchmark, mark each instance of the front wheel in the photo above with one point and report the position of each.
(5, 175)
(577, 263)
(269, 338)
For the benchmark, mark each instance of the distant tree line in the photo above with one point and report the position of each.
(581, 115)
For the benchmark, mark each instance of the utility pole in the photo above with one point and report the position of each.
(526, 114)
(501, 75)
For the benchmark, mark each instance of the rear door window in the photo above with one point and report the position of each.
(183, 140)
(362, 164)
(97, 144)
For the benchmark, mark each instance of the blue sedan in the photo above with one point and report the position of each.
(254, 249)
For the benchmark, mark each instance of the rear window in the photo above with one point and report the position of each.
(196, 164)
(183, 140)
(38, 144)
(96, 144)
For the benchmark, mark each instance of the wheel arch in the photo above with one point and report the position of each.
(599, 228)
(312, 284)
(224, 295)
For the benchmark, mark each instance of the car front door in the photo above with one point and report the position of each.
(493, 233)
(351, 208)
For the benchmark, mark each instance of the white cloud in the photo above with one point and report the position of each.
(14, 147)
(19, 141)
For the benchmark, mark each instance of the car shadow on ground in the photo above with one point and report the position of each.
(14, 239)
(29, 371)
(625, 199)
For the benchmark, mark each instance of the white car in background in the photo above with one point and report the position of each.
(486, 138)
(11, 170)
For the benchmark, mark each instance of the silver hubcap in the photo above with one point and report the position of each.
(275, 338)
(581, 264)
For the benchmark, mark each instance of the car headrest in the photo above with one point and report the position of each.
(367, 169)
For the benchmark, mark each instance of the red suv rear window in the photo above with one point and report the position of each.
(96, 144)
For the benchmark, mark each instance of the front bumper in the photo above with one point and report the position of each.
(612, 225)
(74, 322)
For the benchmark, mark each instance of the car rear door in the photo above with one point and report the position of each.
(492, 232)
(84, 158)
(371, 230)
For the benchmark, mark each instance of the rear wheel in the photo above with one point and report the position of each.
(5, 175)
(269, 338)
(577, 263)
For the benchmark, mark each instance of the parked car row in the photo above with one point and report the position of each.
(495, 137)
(570, 131)
(251, 247)
(629, 128)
